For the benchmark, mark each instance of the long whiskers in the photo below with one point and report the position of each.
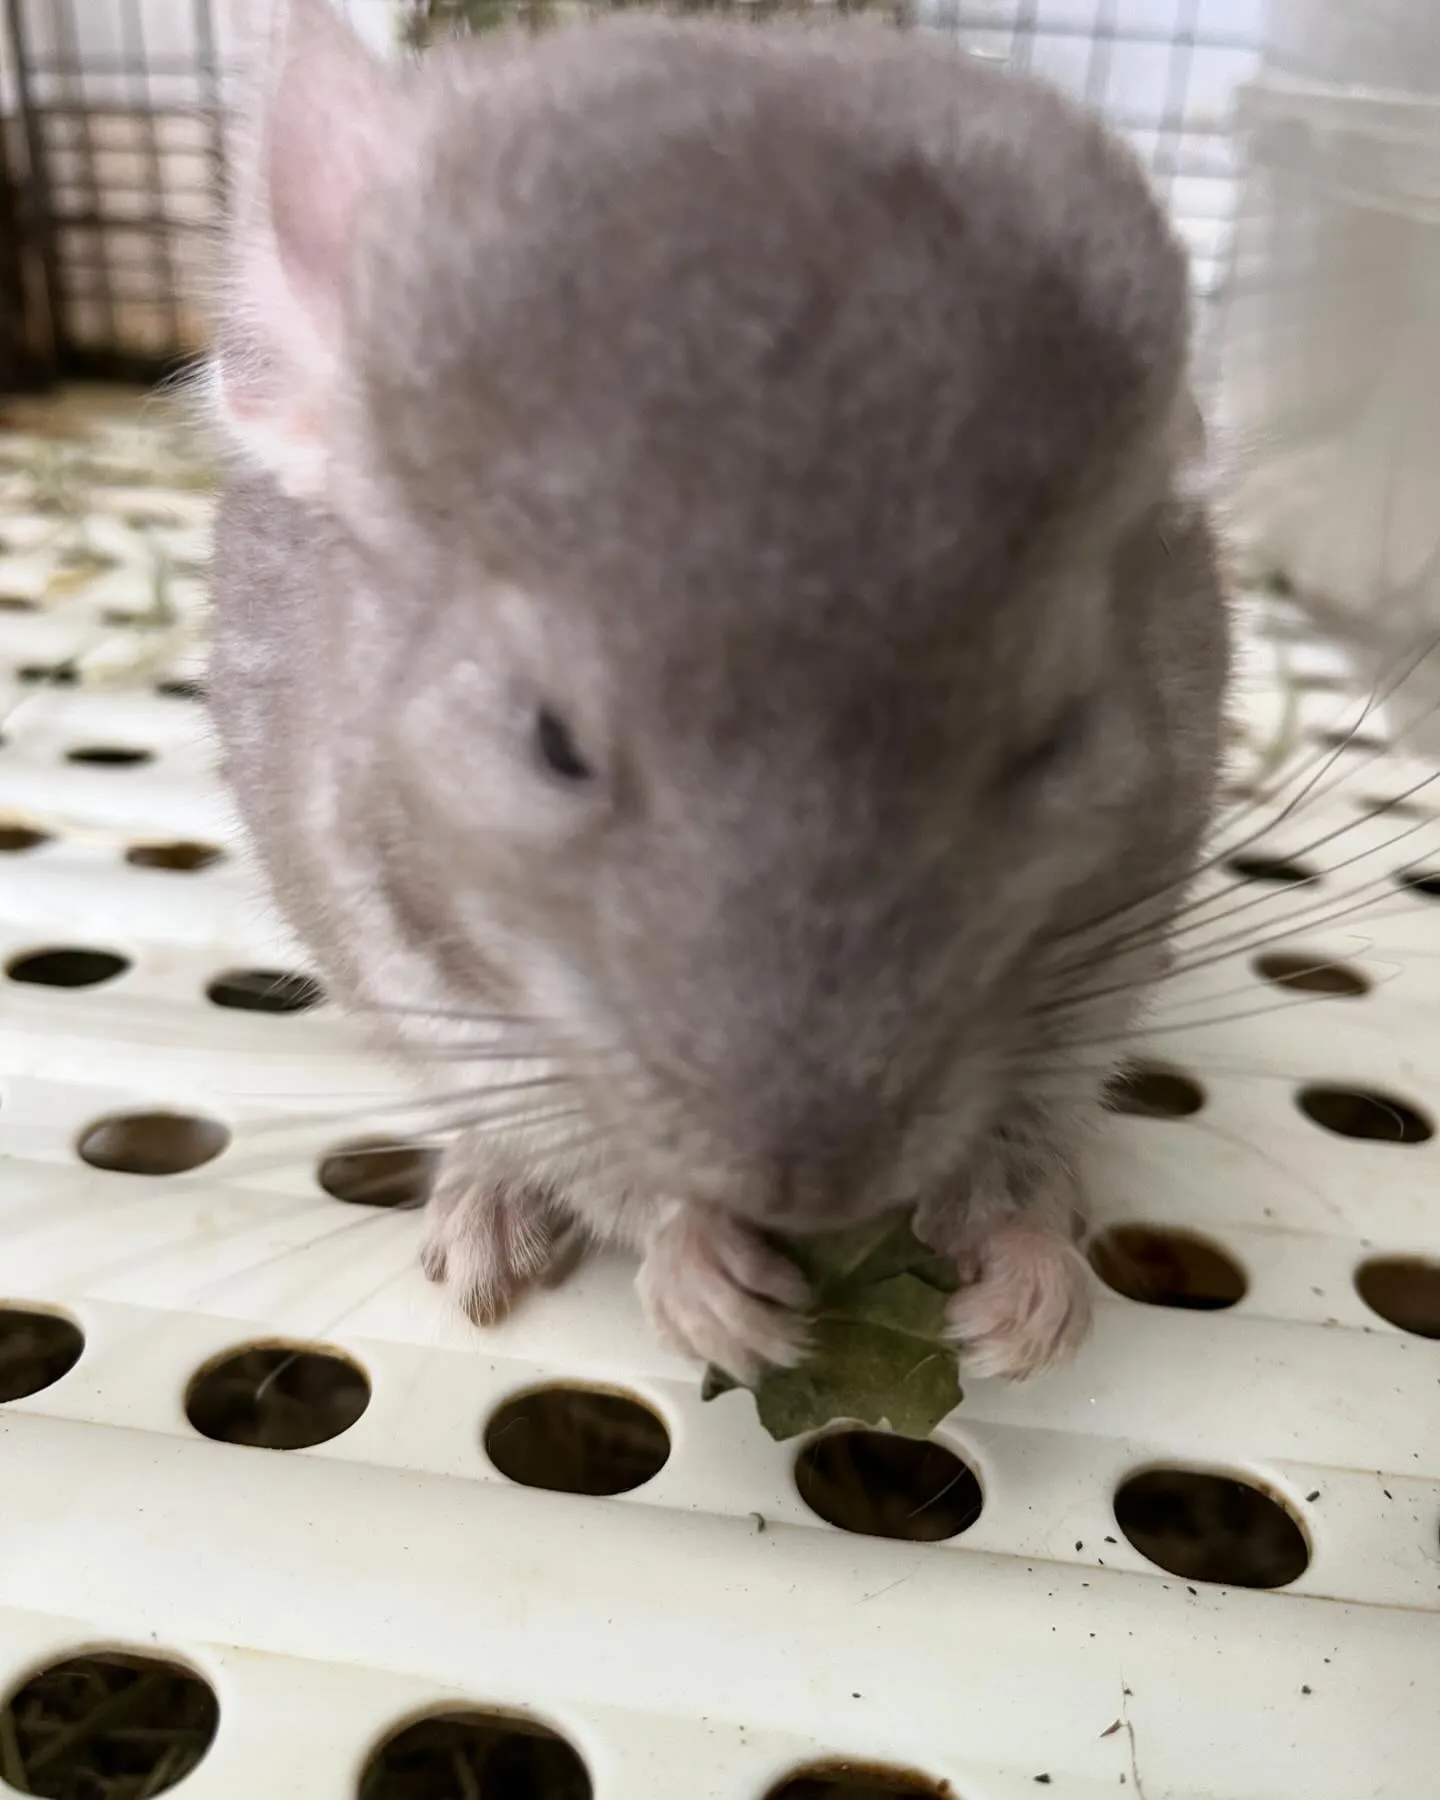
(1322, 915)
(1324, 761)
(1190, 919)
(438, 1135)
(393, 1107)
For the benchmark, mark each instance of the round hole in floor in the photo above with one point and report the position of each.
(85, 560)
(36, 1349)
(48, 674)
(265, 990)
(17, 838)
(183, 856)
(109, 756)
(1279, 870)
(1202, 1526)
(1404, 1290)
(1159, 1266)
(1311, 974)
(482, 1756)
(101, 1725)
(379, 1172)
(1421, 881)
(152, 1143)
(70, 967)
(177, 689)
(277, 1396)
(1393, 806)
(1364, 1113)
(577, 1440)
(1351, 740)
(879, 1485)
(1152, 1091)
(860, 1781)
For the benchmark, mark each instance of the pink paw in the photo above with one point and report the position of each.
(713, 1290)
(1027, 1303)
(488, 1247)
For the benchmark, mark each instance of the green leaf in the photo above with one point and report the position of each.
(878, 1353)
(842, 1261)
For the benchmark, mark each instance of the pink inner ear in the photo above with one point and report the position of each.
(325, 130)
(316, 130)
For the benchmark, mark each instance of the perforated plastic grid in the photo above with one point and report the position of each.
(707, 1634)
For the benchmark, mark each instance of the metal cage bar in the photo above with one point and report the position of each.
(122, 131)
(121, 116)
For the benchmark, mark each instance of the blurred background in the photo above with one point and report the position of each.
(116, 135)
(1296, 141)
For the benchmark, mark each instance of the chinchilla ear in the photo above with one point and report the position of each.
(308, 141)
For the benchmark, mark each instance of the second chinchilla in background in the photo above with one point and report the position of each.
(717, 648)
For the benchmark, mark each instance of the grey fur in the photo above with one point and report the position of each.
(801, 415)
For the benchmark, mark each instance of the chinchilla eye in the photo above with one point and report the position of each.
(1041, 755)
(556, 748)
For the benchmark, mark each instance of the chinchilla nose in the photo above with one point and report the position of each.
(810, 1151)
(813, 1191)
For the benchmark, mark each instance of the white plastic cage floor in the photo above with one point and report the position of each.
(707, 1635)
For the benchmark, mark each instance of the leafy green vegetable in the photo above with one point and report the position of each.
(878, 1353)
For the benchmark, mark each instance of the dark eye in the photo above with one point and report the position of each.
(1050, 747)
(557, 750)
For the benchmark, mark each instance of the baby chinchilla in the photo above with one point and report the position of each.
(718, 649)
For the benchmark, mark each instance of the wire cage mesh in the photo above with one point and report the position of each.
(118, 108)
(116, 113)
